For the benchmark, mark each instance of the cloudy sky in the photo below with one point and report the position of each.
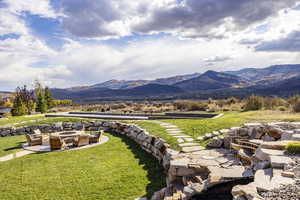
(80, 42)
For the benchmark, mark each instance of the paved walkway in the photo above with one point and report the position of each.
(45, 148)
(186, 142)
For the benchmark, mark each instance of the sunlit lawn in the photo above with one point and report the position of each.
(198, 127)
(118, 169)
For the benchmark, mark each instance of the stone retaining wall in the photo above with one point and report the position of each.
(151, 144)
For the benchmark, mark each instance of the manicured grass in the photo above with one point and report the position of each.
(157, 130)
(53, 120)
(11, 144)
(118, 169)
(198, 127)
(15, 120)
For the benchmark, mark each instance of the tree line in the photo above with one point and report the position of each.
(29, 101)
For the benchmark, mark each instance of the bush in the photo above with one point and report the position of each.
(282, 108)
(253, 103)
(296, 106)
(293, 147)
(197, 106)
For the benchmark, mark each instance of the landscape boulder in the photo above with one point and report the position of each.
(216, 142)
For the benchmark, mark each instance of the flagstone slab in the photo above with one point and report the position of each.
(182, 136)
(188, 144)
(189, 139)
(180, 140)
(192, 149)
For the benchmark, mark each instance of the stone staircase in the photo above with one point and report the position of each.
(186, 142)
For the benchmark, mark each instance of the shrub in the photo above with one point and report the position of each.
(253, 103)
(197, 106)
(293, 147)
(296, 106)
(282, 108)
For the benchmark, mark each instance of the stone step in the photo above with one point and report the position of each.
(180, 140)
(182, 136)
(192, 149)
(170, 126)
(173, 131)
(201, 138)
(174, 134)
(189, 139)
(188, 144)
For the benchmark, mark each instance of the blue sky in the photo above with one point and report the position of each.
(66, 43)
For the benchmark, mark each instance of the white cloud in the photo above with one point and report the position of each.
(11, 24)
(42, 8)
(79, 62)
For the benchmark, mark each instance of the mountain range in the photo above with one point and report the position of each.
(281, 80)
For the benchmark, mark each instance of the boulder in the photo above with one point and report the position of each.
(208, 135)
(277, 145)
(280, 161)
(247, 192)
(219, 175)
(216, 142)
(275, 132)
(264, 154)
(216, 133)
(261, 165)
(287, 135)
(262, 179)
(224, 131)
(227, 141)
(268, 138)
(296, 137)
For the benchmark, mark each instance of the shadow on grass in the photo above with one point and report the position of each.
(18, 146)
(156, 174)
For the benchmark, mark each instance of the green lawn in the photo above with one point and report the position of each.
(157, 130)
(118, 169)
(11, 144)
(13, 120)
(198, 127)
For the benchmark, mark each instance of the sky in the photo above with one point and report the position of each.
(65, 43)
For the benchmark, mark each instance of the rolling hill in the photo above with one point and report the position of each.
(268, 75)
(211, 80)
(281, 80)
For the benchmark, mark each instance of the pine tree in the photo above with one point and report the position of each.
(41, 105)
(19, 107)
(49, 98)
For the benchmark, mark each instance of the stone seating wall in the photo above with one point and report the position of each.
(151, 144)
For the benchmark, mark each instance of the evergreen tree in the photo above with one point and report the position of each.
(49, 98)
(19, 107)
(41, 105)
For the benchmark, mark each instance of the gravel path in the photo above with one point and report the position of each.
(288, 192)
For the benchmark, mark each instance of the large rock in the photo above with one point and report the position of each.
(280, 161)
(296, 137)
(220, 175)
(264, 154)
(275, 132)
(268, 138)
(277, 145)
(262, 179)
(216, 142)
(249, 192)
(287, 135)
(269, 179)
